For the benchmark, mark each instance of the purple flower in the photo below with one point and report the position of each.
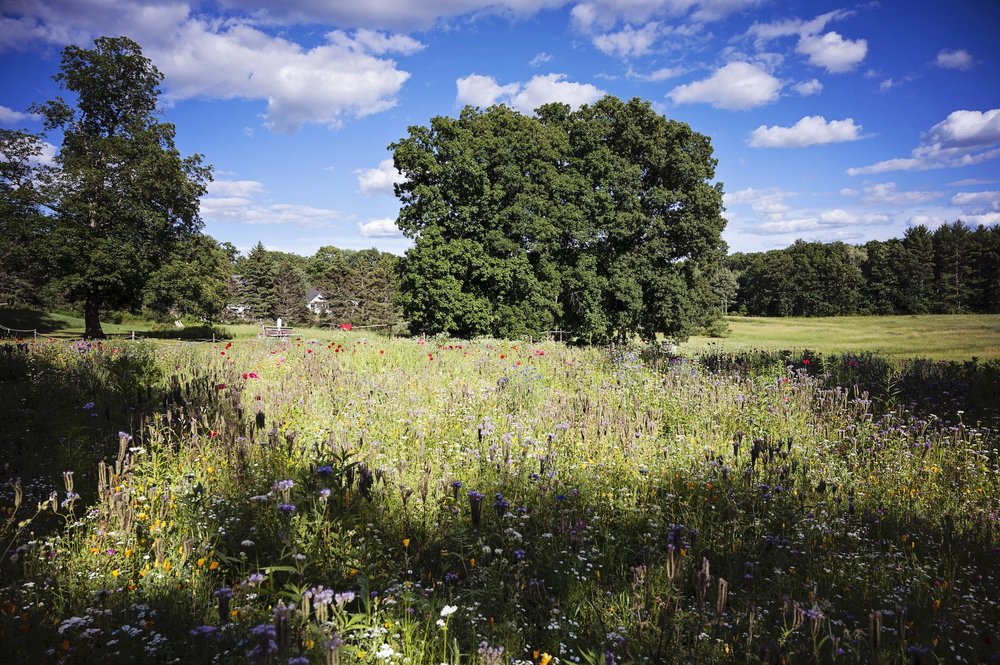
(225, 593)
(324, 493)
(255, 579)
(519, 554)
(204, 631)
(283, 485)
(124, 435)
(324, 470)
(88, 406)
(287, 508)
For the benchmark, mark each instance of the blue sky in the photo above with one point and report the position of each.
(830, 121)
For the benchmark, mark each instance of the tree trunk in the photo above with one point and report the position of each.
(92, 319)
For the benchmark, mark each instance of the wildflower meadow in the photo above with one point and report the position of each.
(358, 499)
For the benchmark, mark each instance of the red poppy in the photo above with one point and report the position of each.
(346, 326)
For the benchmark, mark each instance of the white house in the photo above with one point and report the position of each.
(316, 302)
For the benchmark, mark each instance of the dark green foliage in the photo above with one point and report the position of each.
(359, 286)
(253, 283)
(22, 224)
(600, 222)
(953, 269)
(122, 195)
(194, 281)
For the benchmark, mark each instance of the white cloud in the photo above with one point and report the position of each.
(658, 75)
(886, 192)
(9, 116)
(379, 180)
(839, 217)
(605, 14)
(406, 15)
(960, 59)
(319, 85)
(540, 59)
(769, 202)
(629, 42)
(832, 52)
(810, 130)
(380, 228)
(986, 219)
(977, 201)
(483, 91)
(234, 188)
(807, 88)
(236, 201)
(205, 58)
(763, 32)
(962, 139)
(963, 129)
(554, 88)
(930, 221)
(971, 182)
(526, 97)
(370, 41)
(735, 87)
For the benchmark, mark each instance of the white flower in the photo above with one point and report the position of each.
(448, 610)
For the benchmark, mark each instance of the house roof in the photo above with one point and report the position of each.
(313, 294)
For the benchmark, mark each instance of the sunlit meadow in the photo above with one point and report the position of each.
(365, 500)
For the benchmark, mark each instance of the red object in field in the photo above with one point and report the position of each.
(346, 326)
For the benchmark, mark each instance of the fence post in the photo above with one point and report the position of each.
(133, 335)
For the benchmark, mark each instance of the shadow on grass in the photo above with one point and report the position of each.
(27, 320)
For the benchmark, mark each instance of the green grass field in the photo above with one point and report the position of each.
(935, 336)
(940, 337)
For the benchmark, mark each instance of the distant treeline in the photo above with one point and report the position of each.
(955, 268)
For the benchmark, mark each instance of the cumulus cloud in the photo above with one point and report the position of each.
(525, 97)
(807, 88)
(735, 87)
(380, 228)
(886, 192)
(810, 130)
(962, 139)
(236, 201)
(345, 76)
(832, 52)
(478, 90)
(379, 180)
(960, 59)
(9, 116)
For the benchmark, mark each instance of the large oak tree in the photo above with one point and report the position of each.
(123, 195)
(603, 222)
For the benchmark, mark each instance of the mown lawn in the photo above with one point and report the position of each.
(935, 336)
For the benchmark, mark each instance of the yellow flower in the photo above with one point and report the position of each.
(166, 566)
(115, 573)
(545, 659)
(406, 542)
(201, 562)
(213, 565)
(128, 552)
